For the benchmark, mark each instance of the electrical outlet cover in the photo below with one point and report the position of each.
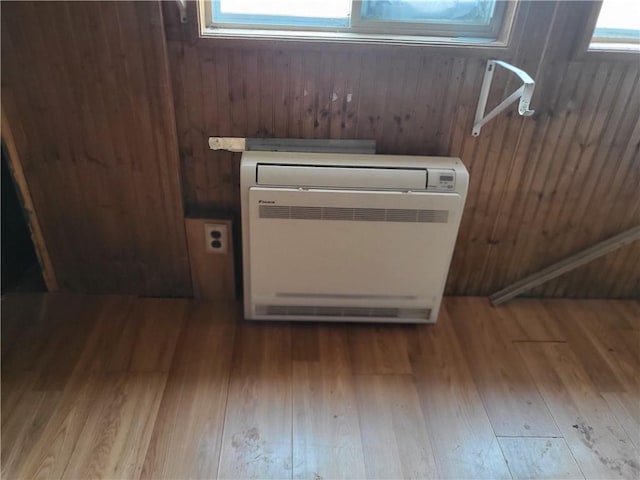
(215, 233)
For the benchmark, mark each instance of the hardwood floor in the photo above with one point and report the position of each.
(123, 387)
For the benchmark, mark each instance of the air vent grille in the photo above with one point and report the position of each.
(354, 214)
(325, 311)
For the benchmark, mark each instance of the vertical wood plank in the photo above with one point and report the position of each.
(121, 213)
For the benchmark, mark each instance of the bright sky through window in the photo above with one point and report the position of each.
(619, 18)
(289, 8)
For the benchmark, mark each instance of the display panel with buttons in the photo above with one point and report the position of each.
(441, 180)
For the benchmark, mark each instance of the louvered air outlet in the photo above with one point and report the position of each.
(292, 212)
(325, 311)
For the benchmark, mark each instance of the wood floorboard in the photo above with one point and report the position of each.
(25, 422)
(525, 319)
(379, 349)
(48, 456)
(187, 435)
(513, 404)
(114, 440)
(326, 426)
(256, 441)
(626, 409)
(599, 444)
(128, 388)
(465, 444)
(395, 438)
(38, 328)
(109, 345)
(586, 342)
(539, 458)
(159, 323)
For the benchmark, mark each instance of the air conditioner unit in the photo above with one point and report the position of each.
(342, 237)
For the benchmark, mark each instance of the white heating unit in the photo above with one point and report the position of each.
(348, 237)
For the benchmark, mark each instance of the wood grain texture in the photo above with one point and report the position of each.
(110, 105)
(380, 349)
(118, 428)
(326, 428)
(466, 446)
(257, 439)
(541, 189)
(159, 322)
(394, 434)
(25, 422)
(87, 95)
(49, 455)
(526, 320)
(599, 444)
(539, 458)
(626, 408)
(585, 344)
(187, 433)
(496, 366)
(172, 388)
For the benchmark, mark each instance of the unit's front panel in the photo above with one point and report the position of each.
(361, 253)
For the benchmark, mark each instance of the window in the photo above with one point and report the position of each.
(466, 19)
(617, 26)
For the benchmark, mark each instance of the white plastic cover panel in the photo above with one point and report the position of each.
(371, 178)
(351, 251)
(366, 262)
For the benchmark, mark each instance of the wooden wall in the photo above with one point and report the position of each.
(86, 91)
(541, 188)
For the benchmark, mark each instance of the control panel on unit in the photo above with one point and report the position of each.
(441, 180)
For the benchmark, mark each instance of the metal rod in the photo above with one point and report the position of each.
(566, 265)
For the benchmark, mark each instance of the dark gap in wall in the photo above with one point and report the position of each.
(20, 268)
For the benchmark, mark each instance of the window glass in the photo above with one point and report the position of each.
(618, 22)
(454, 18)
(475, 12)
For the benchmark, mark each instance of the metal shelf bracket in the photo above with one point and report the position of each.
(182, 6)
(523, 93)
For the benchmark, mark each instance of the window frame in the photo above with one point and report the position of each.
(496, 34)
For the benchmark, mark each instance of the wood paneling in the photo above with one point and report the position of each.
(87, 93)
(107, 114)
(235, 399)
(542, 188)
